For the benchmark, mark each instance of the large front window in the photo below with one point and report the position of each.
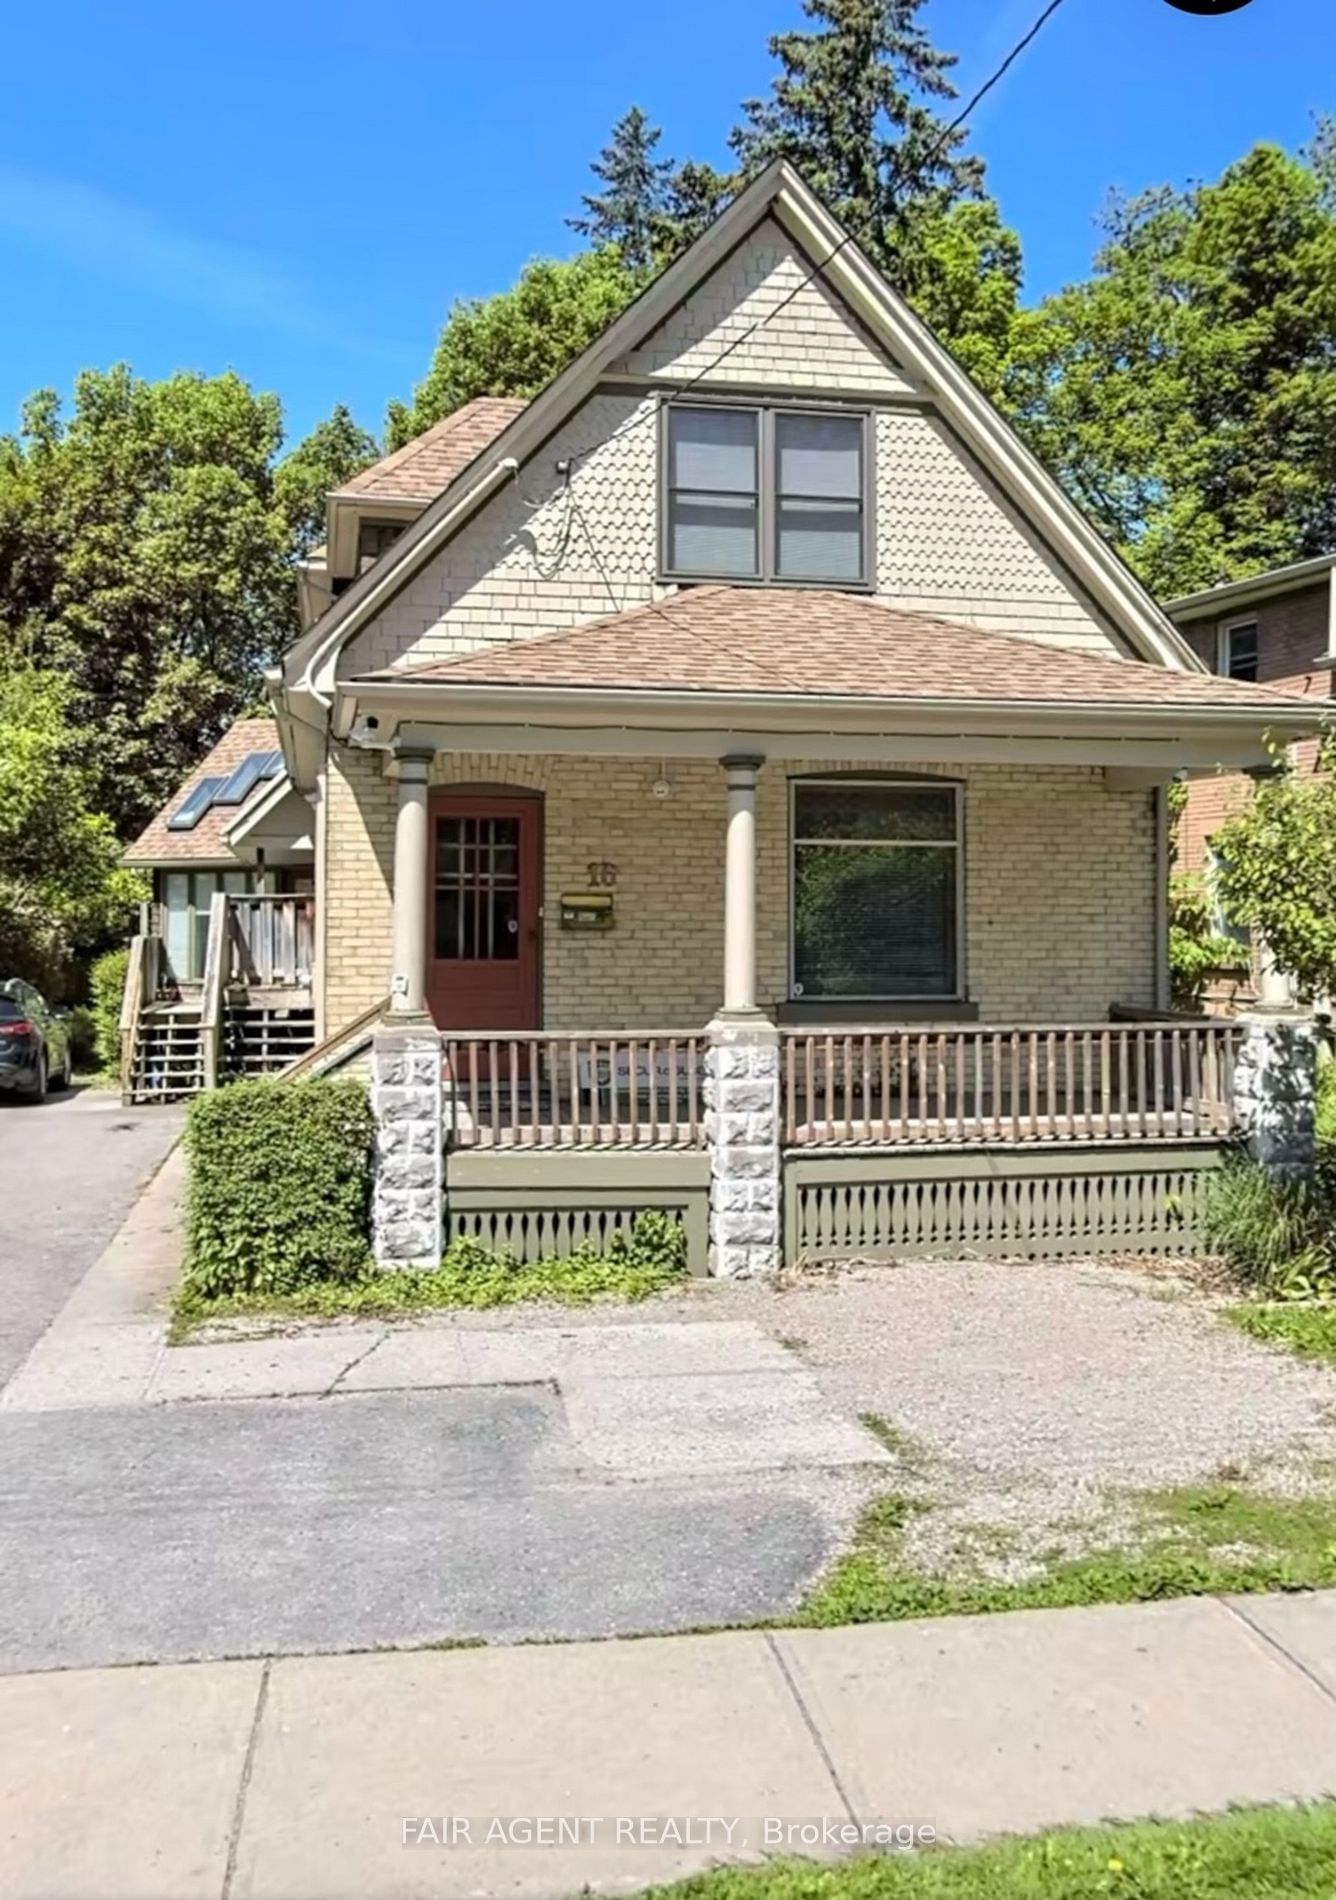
(765, 494)
(876, 878)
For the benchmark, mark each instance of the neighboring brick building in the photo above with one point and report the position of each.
(1279, 629)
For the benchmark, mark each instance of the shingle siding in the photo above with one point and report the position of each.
(1059, 898)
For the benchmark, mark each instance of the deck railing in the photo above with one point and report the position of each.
(543, 1090)
(1128, 1081)
(273, 940)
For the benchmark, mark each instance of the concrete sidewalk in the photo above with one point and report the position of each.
(304, 1776)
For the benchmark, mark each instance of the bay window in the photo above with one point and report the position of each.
(773, 494)
(876, 879)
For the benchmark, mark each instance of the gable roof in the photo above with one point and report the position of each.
(206, 843)
(311, 665)
(799, 641)
(427, 465)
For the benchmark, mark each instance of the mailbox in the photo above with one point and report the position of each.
(586, 910)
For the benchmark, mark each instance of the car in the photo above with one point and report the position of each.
(34, 1043)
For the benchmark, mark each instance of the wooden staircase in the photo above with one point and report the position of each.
(251, 1015)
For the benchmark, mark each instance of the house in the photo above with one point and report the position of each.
(1277, 628)
(744, 768)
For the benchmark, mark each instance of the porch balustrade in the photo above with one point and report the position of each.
(1125, 1081)
(539, 1090)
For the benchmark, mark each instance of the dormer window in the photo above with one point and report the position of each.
(766, 494)
(373, 538)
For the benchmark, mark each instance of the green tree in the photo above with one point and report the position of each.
(1186, 395)
(516, 342)
(61, 884)
(852, 107)
(693, 196)
(334, 451)
(144, 559)
(1276, 871)
(628, 211)
(967, 284)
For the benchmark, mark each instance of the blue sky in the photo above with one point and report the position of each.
(300, 191)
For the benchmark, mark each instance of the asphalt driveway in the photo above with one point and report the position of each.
(70, 1168)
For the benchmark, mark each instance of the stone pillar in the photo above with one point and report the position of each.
(408, 974)
(740, 886)
(742, 1121)
(407, 1098)
(1275, 1092)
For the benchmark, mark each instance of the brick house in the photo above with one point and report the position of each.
(1277, 628)
(745, 752)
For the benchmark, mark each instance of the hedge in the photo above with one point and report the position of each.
(106, 984)
(280, 1186)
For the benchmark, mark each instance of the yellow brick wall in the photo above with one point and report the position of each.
(1059, 906)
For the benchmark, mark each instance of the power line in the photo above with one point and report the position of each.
(819, 269)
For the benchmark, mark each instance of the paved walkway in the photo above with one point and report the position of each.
(343, 1776)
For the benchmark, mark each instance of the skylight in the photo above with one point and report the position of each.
(230, 790)
(196, 805)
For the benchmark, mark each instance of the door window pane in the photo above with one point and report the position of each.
(176, 921)
(874, 891)
(477, 914)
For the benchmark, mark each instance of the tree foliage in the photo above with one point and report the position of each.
(147, 540)
(630, 209)
(335, 451)
(61, 884)
(1276, 866)
(514, 343)
(1186, 395)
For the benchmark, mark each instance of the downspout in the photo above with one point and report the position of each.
(1160, 815)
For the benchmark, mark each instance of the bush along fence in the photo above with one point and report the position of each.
(1035, 1142)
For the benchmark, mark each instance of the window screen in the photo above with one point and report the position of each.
(875, 880)
(712, 492)
(819, 497)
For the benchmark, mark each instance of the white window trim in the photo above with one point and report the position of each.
(766, 574)
(1225, 633)
(957, 790)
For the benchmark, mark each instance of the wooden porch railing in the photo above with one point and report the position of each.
(1141, 1081)
(273, 941)
(542, 1090)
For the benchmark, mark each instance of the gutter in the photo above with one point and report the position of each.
(1280, 580)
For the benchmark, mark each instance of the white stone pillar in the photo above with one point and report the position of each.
(407, 1212)
(408, 974)
(1275, 1092)
(742, 1122)
(740, 886)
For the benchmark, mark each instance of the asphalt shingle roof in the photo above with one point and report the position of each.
(426, 466)
(204, 844)
(809, 641)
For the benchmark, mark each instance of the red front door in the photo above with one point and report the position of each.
(482, 930)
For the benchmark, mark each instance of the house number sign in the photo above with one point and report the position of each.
(602, 874)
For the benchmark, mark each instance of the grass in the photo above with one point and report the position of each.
(914, 1457)
(1309, 1331)
(469, 1283)
(1193, 1540)
(1252, 1854)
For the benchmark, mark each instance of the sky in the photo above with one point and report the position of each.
(300, 191)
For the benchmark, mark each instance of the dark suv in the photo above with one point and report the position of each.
(34, 1043)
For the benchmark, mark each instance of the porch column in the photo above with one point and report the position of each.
(742, 1102)
(408, 974)
(1275, 1091)
(740, 886)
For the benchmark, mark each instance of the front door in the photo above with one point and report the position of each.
(482, 931)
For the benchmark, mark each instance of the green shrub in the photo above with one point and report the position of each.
(280, 1186)
(81, 1027)
(1196, 953)
(1326, 1099)
(1279, 1236)
(106, 982)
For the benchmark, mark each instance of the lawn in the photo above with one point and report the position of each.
(1309, 1331)
(1259, 1854)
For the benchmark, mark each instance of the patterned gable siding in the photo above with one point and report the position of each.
(537, 557)
(812, 342)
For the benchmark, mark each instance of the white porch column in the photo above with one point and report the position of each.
(408, 974)
(740, 886)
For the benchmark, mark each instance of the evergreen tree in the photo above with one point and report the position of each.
(627, 212)
(852, 107)
(693, 196)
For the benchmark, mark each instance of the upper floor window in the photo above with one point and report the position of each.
(1237, 657)
(766, 494)
(373, 538)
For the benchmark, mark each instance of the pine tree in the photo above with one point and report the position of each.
(852, 109)
(627, 211)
